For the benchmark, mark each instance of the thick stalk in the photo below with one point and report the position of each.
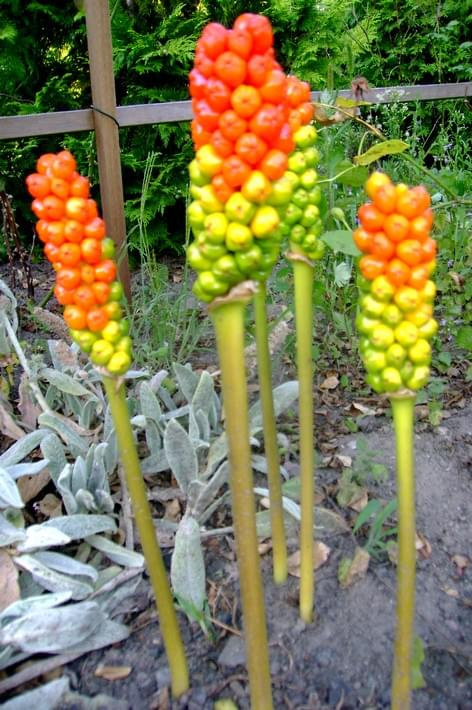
(228, 320)
(403, 417)
(279, 547)
(303, 281)
(157, 573)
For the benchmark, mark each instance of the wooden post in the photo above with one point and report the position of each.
(102, 79)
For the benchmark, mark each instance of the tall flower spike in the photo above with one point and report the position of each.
(395, 322)
(82, 256)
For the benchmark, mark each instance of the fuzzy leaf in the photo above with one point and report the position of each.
(116, 553)
(39, 536)
(180, 454)
(150, 406)
(32, 604)
(80, 526)
(51, 580)
(64, 383)
(284, 396)
(22, 448)
(9, 493)
(186, 379)
(66, 564)
(76, 444)
(27, 469)
(53, 630)
(379, 150)
(53, 450)
(188, 568)
(203, 395)
(9, 534)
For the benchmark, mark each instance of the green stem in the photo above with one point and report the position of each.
(403, 417)
(147, 534)
(279, 547)
(303, 281)
(228, 320)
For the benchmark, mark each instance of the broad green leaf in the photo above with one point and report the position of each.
(76, 444)
(340, 241)
(187, 380)
(150, 406)
(38, 536)
(349, 174)
(370, 509)
(379, 150)
(187, 571)
(464, 337)
(203, 395)
(417, 659)
(32, 604)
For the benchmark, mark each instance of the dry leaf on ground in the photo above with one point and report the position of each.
(30, 486)
(320, 555)
(112, 672)
(330, 383)
(351, 570)
(461, 562)
(9, 587)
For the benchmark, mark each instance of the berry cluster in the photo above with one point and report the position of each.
(300, 218)
(82, 256)
(246, 113)
(395, 318)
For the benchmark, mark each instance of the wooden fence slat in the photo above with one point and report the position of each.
(106, 128)
(144, 114)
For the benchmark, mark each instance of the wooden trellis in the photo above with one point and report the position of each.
(105, 118)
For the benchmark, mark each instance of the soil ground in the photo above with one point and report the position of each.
(343, 659)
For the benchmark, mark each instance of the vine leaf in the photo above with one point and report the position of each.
(379, 150)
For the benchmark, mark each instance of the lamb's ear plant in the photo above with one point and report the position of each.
(83, 258)
(395, 322)
(303, 225)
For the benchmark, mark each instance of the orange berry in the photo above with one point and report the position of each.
(101, 291)
(410, 251)
(106, 271)
(429, 249)
(95, 228)
(363, 239)
(96, 319)
(385, 198)
(38, 185)
(68, 277)
(73, 231)
(77, 208)
(63, 295)
(382, 246)
(80, 187)
(69, 254)
(91, 250)
(87, 274)
(397, 272)
(371, 218)
(63, 165)
(53, 206)
(75, 317)
(418, 276)
(409, 204)
(51, 252)
(42, 229)
(371, 266)
(419, 228)
(396, 227)
(55, 233)
(44, 162)
(84, 297)
(60, 187)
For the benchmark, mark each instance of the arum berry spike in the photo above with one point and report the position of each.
(279, 546)
(82, 256)
(301, 221)
(395, 322)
